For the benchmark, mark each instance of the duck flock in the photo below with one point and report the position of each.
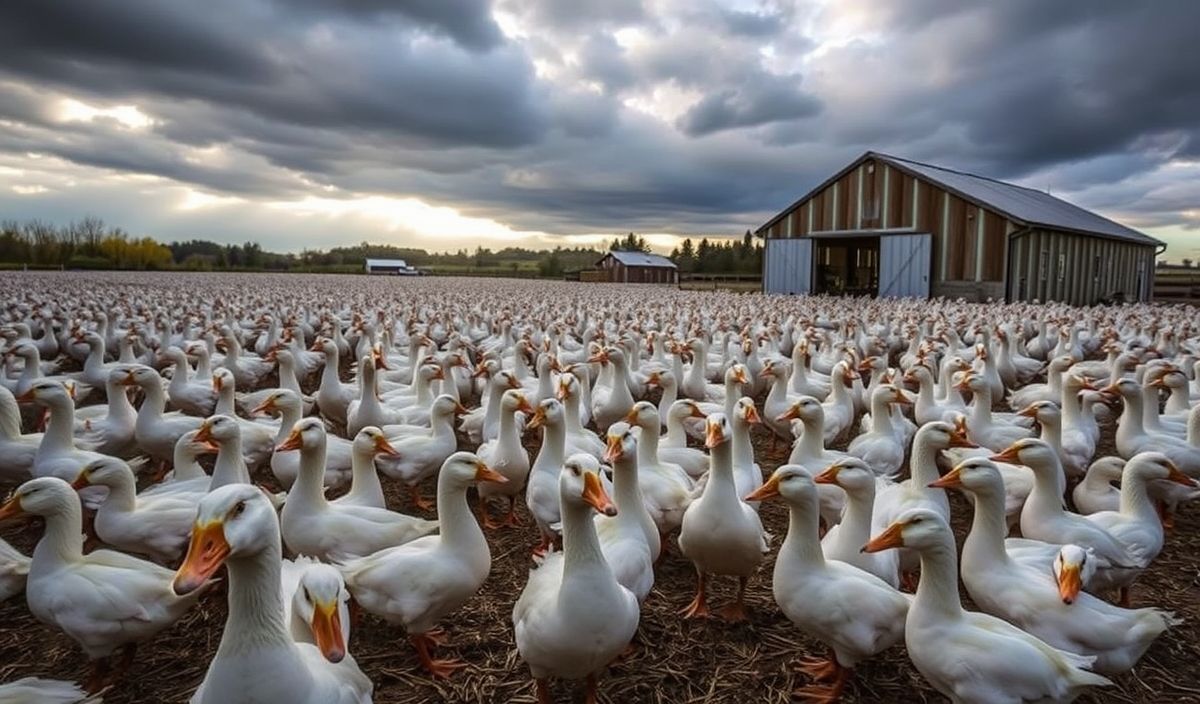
(351, 451)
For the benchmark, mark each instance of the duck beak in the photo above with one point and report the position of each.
(327, 631)
(28, 397)
(524, 407)
(11, 509)
(1070, 583)
(513, 383)
(631, 417)
(539, 417)
(265, 406)
(766, 373)
(951, 480)
(655, 379)
(1011, 455)
(1175, 475)
(892, 537)
(82, 480)
(740, 377)
(752, 416)
(484, 473)
(383, 447)
(439, 373)
(561, 394)
(204, 434)
(769, 490)
(460, 410)
(206, 553)
(1028, 412)
(217, 384)
(293, 442)
(613, 450)
(595, 496)
(901, 398)
(714, 436)
(829, 476)
(696, 412)
(790, 414)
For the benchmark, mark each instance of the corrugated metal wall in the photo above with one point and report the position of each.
(904, 266)
(1077, 269)
(787, 266)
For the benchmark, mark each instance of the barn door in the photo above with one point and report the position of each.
(904, 266)
(788, 266)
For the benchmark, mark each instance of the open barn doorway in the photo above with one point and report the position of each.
(847, 266)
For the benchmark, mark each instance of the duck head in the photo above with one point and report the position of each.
(579, 484)
(621, 443)
(232, 521)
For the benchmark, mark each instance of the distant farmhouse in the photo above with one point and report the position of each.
(394, 267)
(886, 226)
(635, 268)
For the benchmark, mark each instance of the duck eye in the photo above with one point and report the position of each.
(575, 471)
(239, 508)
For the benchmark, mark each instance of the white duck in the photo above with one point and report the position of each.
(1033, 599)
(104, 600)
(365, 489)
(314, 587)
(853, 612)
(418, 584)
(720, 533)
(339, 452)
(630, 541)
(507, 456)
(157, 432)
(57, 455)
(417, 457)
(541, 490)
(882, 448)
(258, 436)
(187, 391)
(967, 656)
(18, 450)
(610, 403)
(258, 659)
(311, 525)
(573, 617)
(844, 541)
(673, 447)
(14, 569)
(666, 487)
(1096, 492)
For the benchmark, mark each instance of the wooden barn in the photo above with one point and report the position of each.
(886, 226)
(637, 268)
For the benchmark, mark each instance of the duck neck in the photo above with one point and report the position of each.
(985, 541)
(289, 416)
(1136, 501)
(122, 494)
(802, 543)
(458, 527)
(881, 416)
(743, 449)
(627, 491)
(581, 547)
(924, 464)
(1130, 422)
(721, 485)
(647, 448)
(1052, 433)
(119, 407)
(364, 480)
(981, 406)
(62, 542)
(937, 592)
(508, 430)
(553, 451)
(329, 374)
(59, 429)
(1048, 483)
(309, 489)
(255, 619)
(855, 530)
(670, 394)
(812, 442)
(229, 467)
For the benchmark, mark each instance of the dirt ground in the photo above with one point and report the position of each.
(676, 661)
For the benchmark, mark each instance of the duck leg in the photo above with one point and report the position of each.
(543, 691)
(592, 690)
(510, 519)
(414, 494)
(736, 612)
(98, 675)
(826, 694)
(820, 669)
(438, 668)
(699, 606)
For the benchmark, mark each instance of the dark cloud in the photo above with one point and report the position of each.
(468, 22)
(770, 99)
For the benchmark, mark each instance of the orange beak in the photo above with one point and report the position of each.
(206, 553)
(696, 412)
(655, 379)
(901, 399)
(769, 490)
(613, 450)
(740, 376)
(524, 407)
(293, 442)
(752, 416)
(1011, 455)
(265, 406)
(484, 473)
(513, 383)
(28, 397)
(11, 509)
(892, 537)
(595, 496)
(714, 436)
(632, 416)
(539, 417)
(1029, 411)
(327, 631)
(81, 481)
(383, 447)
(1070, 583)
(951, 480)
(204, 434)
(1175, 475)
(829, 476)
(460, 410)
(1086, 384)
(217, 384)
(439, 373)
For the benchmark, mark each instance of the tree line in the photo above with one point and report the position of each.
(91, 244)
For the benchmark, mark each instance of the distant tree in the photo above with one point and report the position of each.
(629, 243)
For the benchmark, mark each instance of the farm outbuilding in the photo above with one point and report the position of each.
(892, 227)
(394, 267)
(637, 268)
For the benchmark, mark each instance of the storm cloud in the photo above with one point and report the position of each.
(314, 122)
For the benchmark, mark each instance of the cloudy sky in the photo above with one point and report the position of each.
(449, 123)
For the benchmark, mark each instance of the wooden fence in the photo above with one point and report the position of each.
(1177, 284)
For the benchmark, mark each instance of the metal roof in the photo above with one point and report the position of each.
(387, 262)
(641, 259)
(1025, 206)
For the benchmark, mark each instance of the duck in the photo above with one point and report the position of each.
(365, 489)
(258, 435)
(672, 445)
(308, 587)
(57, 455)
(1052, 390)
(258, 659)
(311, 525)
(105, 600)
(983, 428)
(249, 370)
(1044, 518)
(14, 570)
(186, 391)
(154, 431)
(417, 457)
(37, 690)
(720, 533)
(1132, 437)
(807, 416)
(573, 617)
(747, 475)
(881, 448)
(339, 452)
(541, 489)
(506, 455)
(155, 526)
(18, 451)
(969, 656)
(1136, 524)
(839, 408)
(630, 541)
(1035, 600)
(927, 409)
(333, 395)
(418, 584)
(666, 487)
(610, 403)
(853, 612)
(224, 435)
(109, 428)
(1096, 492)
(844, 541)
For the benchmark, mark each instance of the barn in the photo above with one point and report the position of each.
(637, 268)
(887, 226)
(394, 267)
